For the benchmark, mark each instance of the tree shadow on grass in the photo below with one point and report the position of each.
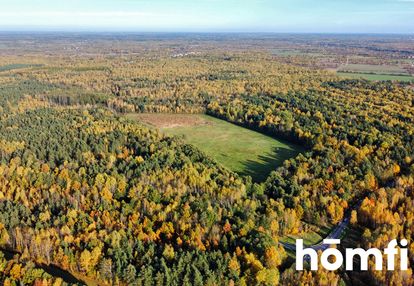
(51, 269)
(260, 170)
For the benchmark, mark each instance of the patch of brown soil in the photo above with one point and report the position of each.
(170, 120)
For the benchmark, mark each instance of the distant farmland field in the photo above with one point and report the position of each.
(379, 69)
(239, 149)
(372, 76)
(374, 72)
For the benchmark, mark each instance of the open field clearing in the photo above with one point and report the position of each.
(372, 76)
(16, 66)
(241, 150)
(166, 121)
(379, 69)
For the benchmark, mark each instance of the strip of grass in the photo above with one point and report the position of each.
(239, 149)
(16, 66)
(378, 69)
(309, 238)
(312, 236)
(376, 77)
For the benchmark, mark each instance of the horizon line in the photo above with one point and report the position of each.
(91, 30)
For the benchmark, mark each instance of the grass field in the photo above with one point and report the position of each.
(379, 69)
(309, 238)
(378, 77)
(16, 66)
(312, 236)
(374, 72)
(239, 149)
(284, 52)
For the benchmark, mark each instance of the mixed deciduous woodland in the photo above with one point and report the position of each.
(106, 199)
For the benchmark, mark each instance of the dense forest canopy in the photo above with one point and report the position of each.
(116, 202)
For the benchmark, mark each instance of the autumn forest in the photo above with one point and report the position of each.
(93, 194)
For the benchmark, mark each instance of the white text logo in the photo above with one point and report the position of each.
(311, 255)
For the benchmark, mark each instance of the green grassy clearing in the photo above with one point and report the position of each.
(375, 72)
(313, 235)
(286, 53)
(379, 77)
(309, 238)
(379, 69)
(16, 66)
(241, 150)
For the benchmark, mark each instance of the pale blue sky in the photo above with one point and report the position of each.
(390, 16)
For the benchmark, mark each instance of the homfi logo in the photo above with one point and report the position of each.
(310, 255)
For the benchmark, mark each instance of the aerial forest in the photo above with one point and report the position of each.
(88, 191)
